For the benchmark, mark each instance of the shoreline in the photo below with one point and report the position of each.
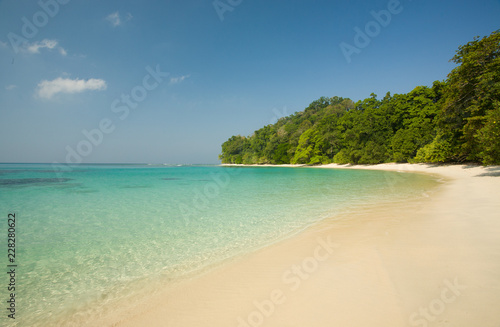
(381, 266)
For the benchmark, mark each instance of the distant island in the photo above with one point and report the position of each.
(455, 120)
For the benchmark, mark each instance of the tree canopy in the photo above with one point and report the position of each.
(455, 120)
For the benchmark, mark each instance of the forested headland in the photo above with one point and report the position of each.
(455, 120)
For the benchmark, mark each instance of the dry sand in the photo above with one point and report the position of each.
(428, 262)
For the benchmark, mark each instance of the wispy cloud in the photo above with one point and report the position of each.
(177, 80)
(115, 19)
(36, 46)
(10, 87)
(48, 89)
(44, 44)
(3, 44)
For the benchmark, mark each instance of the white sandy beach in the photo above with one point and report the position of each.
(429, 262)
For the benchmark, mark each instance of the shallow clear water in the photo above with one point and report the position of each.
(92, 234)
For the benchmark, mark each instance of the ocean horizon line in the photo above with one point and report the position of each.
(111, 163)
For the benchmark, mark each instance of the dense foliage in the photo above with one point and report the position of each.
(455, 120)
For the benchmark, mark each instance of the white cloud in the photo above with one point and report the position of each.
(47, 89)
(116, 20)
(35, 47)
(3, 44)
(10, 87)
(45, 43)
(177, 80)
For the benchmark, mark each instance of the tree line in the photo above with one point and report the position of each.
(455, 120)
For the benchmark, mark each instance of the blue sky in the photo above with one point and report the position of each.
(65, 80)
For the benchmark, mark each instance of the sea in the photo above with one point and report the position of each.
(87, 237)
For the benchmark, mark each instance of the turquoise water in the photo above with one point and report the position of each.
(98, 234)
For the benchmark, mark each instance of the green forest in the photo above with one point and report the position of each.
(455, 120)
